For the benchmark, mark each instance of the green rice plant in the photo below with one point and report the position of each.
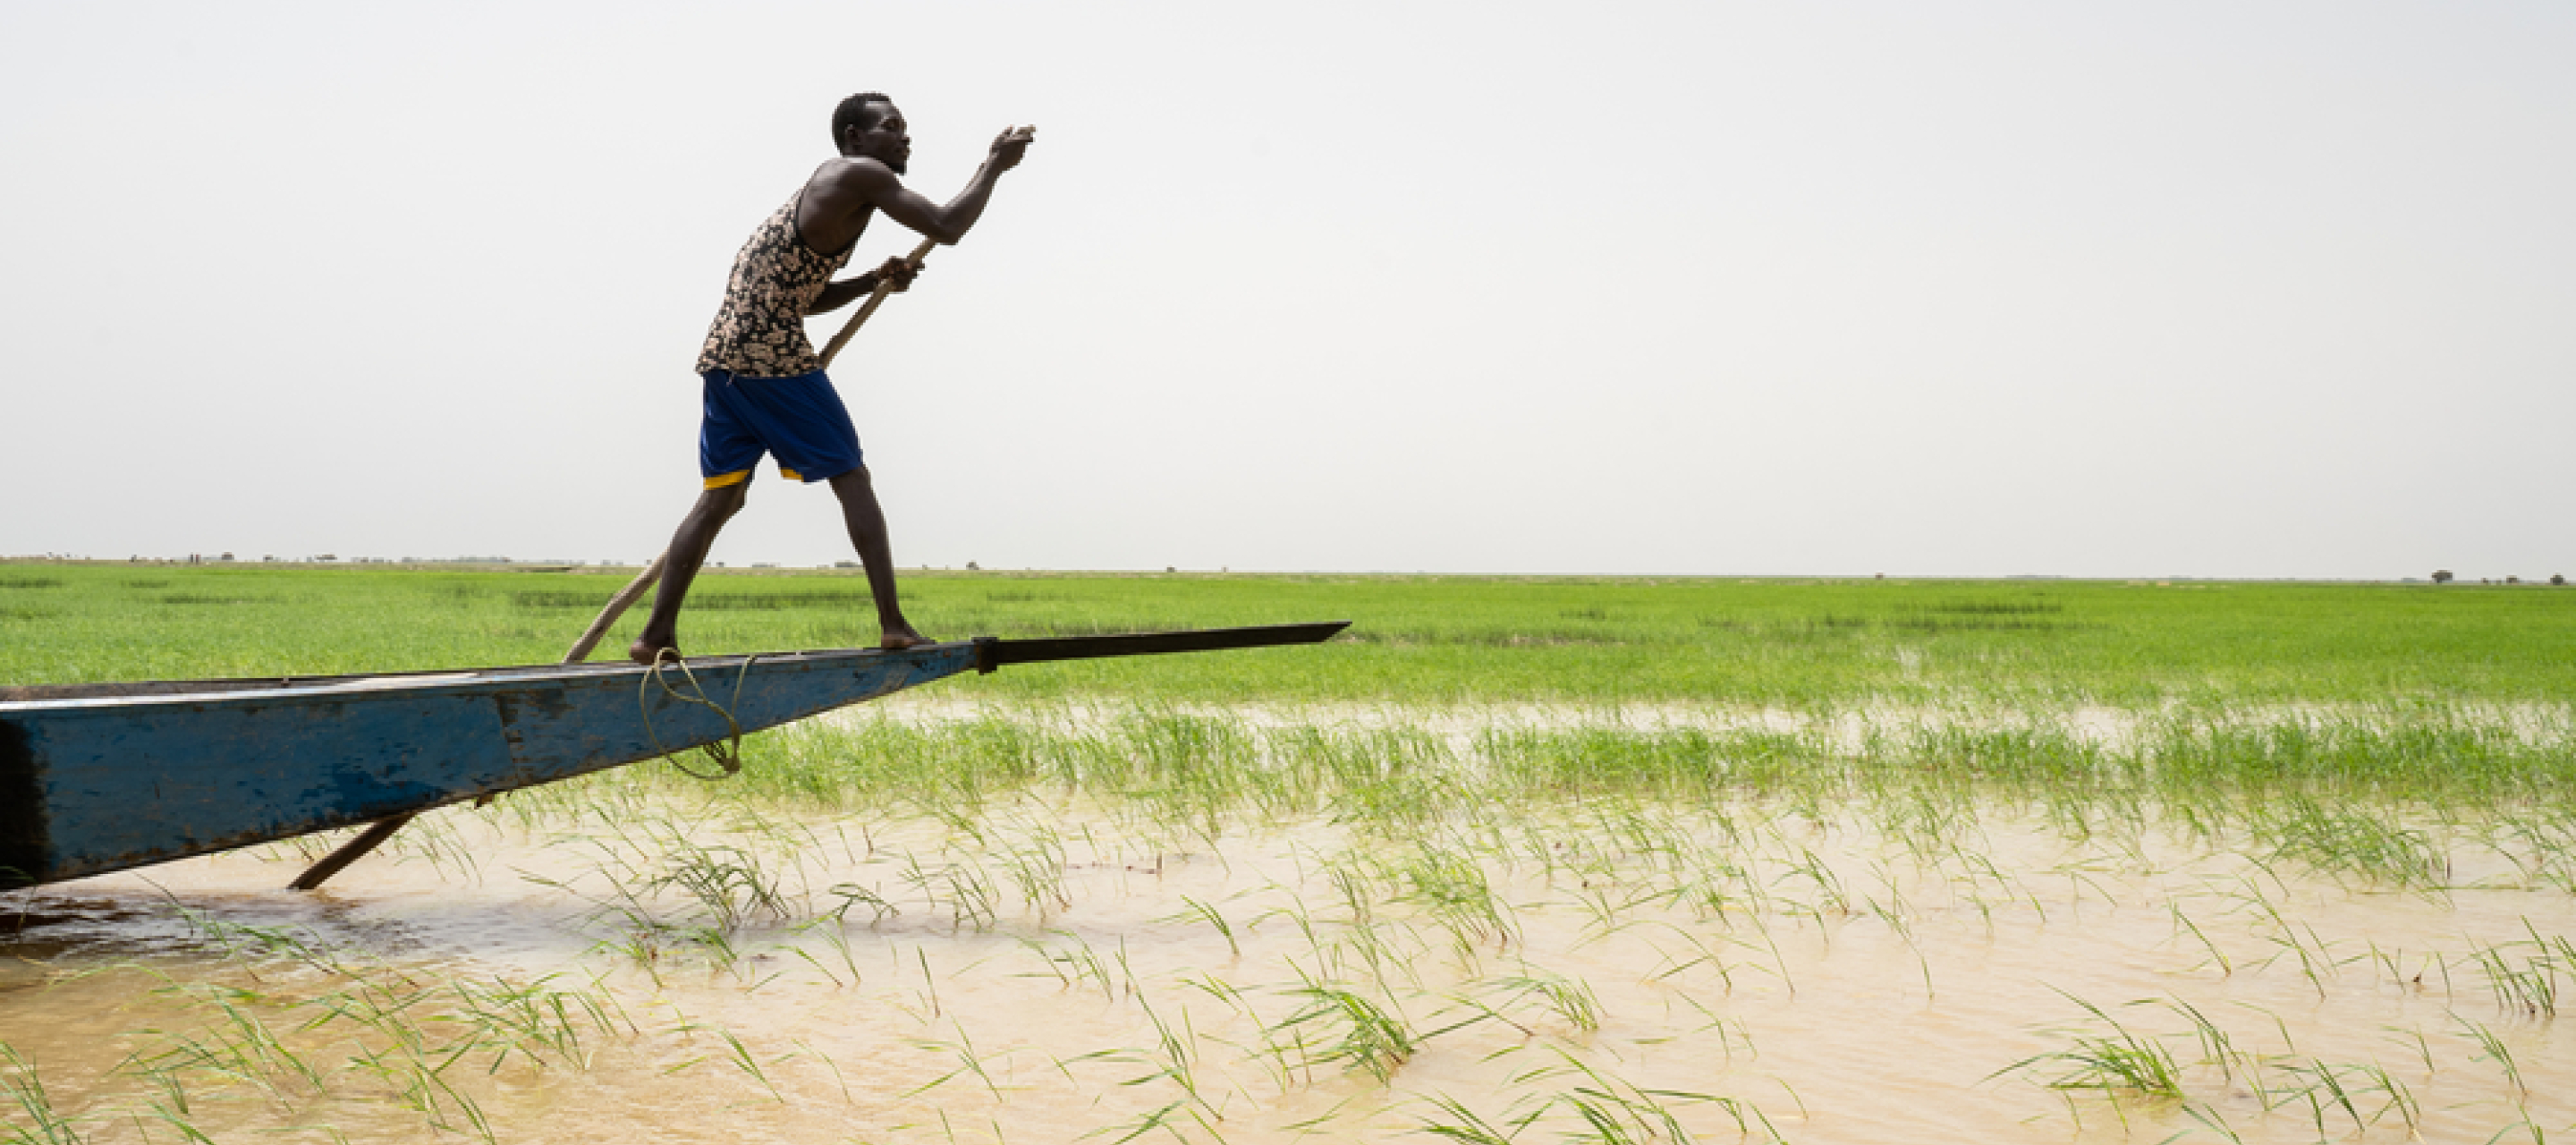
(2183, 922)
(1462, 1125)
(404, 1032)
(2348, 839)
(1610, 907)
(1036, 867)
(729, 883)
(1928, 820)
(807, 1049)
(1697, 953)
(1684, 763)
(2212, 1120)
(1127, 970)
(1076, 964)
(963, 888)
(1895, 916)
(2346, 1088)
(740, 1056)
(1350, 877)
(434, 1085)
(1571, 1000)
(1168, 1119)
(2539, 841)
(1831, 897)
(1173, 1060)
(2117, 1063)
(244, 1045)
(969, 1062)
(1202, 755)
(2317, 961)
(434, 837)
(2399, 1100)
(2420, 756)
(1645, 838)
(509, 1016)
(1374, 946)
(853, 896)
(45, 1125)
(1617, 1112)
(254, 945)
(170, 1108)
(2011, 759)
(826, 971)
(2527, 984)
(1408, 795)
(1178, 1048)
(1382, 769)
(713, 943)
(2217, 1049)
(1455, 892)
(943, 771)
(1202, 912)
(1295, 911)
(838, 937)
(1350, 1031)
(2493, 1048)
(641, 941)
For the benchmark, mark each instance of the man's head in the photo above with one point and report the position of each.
(868, 125)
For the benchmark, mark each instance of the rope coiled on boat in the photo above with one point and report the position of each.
(727, 753)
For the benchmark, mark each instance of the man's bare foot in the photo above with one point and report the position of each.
(901, 637)
(651, 652)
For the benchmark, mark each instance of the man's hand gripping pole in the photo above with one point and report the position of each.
(885, 286)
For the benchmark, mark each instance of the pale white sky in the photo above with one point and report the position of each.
(2224, 289)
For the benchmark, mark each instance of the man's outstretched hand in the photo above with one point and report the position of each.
(1012, 143)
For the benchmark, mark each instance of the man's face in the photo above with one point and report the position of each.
(888, 140)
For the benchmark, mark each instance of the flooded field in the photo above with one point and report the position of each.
(950, 922)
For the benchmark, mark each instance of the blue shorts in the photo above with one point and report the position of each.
(800, 419)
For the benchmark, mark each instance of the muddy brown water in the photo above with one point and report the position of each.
(1820, 975)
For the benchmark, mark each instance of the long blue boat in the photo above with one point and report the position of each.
(103, 777)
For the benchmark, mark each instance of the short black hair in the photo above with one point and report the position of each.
(853, 112)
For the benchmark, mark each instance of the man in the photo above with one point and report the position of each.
(764, 387)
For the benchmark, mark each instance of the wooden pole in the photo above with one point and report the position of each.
(617, 606)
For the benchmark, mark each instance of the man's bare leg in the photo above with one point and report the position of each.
(689, 545)
(868, 534)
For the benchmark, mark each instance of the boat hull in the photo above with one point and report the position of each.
(102, 778)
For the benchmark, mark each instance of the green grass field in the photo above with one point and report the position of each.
(2312, 876)
(1414, 640)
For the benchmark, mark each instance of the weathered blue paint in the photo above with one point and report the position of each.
(102, 779)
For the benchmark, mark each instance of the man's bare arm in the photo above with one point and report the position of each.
(850, 186)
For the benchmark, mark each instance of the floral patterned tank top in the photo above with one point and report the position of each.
(760, 330)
